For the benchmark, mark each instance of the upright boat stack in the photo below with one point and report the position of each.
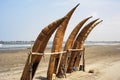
(61, 61)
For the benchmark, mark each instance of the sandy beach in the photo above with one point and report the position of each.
(103, 59)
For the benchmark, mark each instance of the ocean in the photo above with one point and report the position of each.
(14, 46)
(25, 46)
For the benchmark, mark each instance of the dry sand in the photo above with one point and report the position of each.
(104, 60)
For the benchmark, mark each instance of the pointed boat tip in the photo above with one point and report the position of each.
(101, 21)
(90, 17)
(97, 19)
(98, 22)
(71, 11)
(77, 5)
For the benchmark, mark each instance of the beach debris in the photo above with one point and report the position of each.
(91, 71)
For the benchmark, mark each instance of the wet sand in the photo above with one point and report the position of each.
(103, 59)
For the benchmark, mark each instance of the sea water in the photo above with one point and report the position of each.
(14, 46)
(49, 45)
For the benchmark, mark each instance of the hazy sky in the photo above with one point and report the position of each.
(24, 19)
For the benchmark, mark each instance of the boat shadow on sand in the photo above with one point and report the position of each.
(41, 78)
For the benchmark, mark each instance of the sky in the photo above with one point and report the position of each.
(24, 19)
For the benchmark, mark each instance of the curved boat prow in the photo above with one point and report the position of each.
(69, 44)
(39, 46)
(77, 62)
(70, 40)
(77, 44)
(57, 45)
(90, 29)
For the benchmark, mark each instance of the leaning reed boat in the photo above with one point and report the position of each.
(78, 44)
(77, 62)
(57, 45)
(39, 47)
(69, 44)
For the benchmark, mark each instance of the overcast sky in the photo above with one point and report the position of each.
(24, 19)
